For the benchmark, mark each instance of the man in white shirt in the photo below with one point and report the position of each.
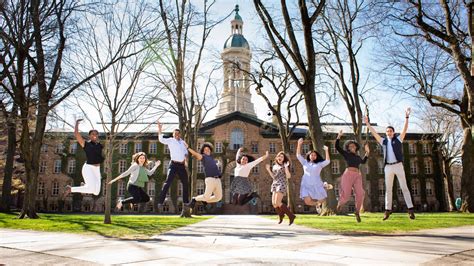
(393, 160)
(178, 153)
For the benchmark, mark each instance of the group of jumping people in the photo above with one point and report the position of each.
(313, 190)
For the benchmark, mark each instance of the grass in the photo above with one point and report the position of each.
(372, 222)
(123, 226)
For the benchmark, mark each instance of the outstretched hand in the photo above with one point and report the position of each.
(340, 134)
(366, 119)
(325, 148)
(160, 126)
(407, 112)
(300, 141)
(367, 148)
(286, 165)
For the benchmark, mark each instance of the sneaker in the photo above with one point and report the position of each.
(387, 214)
(119, 205)
(255, 195)
(411, 213)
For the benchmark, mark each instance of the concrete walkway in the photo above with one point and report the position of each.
(243, 239)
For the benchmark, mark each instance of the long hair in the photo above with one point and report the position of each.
(285, 158)
(319, 158)
(349, 142)
(249, 158)
(137, 155)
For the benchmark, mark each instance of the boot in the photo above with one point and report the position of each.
(235, 198)
(387, 214)
(280, 213)
(411, 213)
(287, 211)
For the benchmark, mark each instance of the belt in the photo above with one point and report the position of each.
(392, 163)
(178, 162)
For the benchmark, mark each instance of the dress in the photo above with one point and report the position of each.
(279, 179)
(311, 183)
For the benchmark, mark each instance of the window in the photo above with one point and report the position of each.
(415, 184)
(412, 148)
(413, 167)
(138, 147)
(73, 148)
(254, 147)
(200, 167)
(180, 189)
(55, 189)
(152, 148)
(151, 188)
(167, 149)
(305, 148)
(41, 188)
(236, 138)
(71, 166)
(426, 148)
(42, 167)
(335, 166)
(292, 147)
(122, 166)
(123, 148)
(59, 148)
(44, 148)
(166, 166)
(218, 147)
(166, 207)
(380, 165)
(381, 187)
(57, 166)
(429, 188)
(336, 189)
(333, 148)
(256, 169)
(428, 166)
(200, 187)
(121, 188)
(272, 147)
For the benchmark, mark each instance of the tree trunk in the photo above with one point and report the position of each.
(467, 182)
(108, 192)
(11, 148)
(449, 189)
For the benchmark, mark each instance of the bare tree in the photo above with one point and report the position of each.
(282, 99)
(119, 95)
(447, 126)
(10, 117)
(429, 54)
(344, 31)
(38, 33)
(187, 99)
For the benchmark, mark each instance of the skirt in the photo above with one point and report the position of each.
(312, 187)
(241, 185)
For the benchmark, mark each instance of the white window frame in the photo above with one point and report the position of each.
(57, 166)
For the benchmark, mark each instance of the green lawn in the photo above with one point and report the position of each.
(123, 226)
(372, 222)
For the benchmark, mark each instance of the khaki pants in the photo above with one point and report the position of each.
(213, 191)
(390, 172)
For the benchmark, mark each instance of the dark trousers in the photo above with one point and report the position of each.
(175, 169)
(242, 199)
(138, 195)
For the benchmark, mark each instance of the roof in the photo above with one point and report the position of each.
(236, 40)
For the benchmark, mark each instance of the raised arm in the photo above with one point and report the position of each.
(298, 151)
(327, 158)
(338, 144)
(287, 170)
(237, 155)
(126, 173)
(78, 136)
(367, 151)
(193, 152)
(259, 160)
(160, 134)
(405, 127)
(269, 170)
(152, 170)
(372, 130)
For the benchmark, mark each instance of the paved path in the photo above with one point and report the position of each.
(243, 239)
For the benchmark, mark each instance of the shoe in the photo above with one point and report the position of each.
(191, 204)
(411, 213)
(327, 186)
(387, 214)
(119, 205)
(255, 195)
(281, 215)
(357, 217)
(235, 198)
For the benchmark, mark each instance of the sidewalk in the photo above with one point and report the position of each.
(242, 239)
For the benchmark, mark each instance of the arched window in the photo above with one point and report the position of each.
(236, 138)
